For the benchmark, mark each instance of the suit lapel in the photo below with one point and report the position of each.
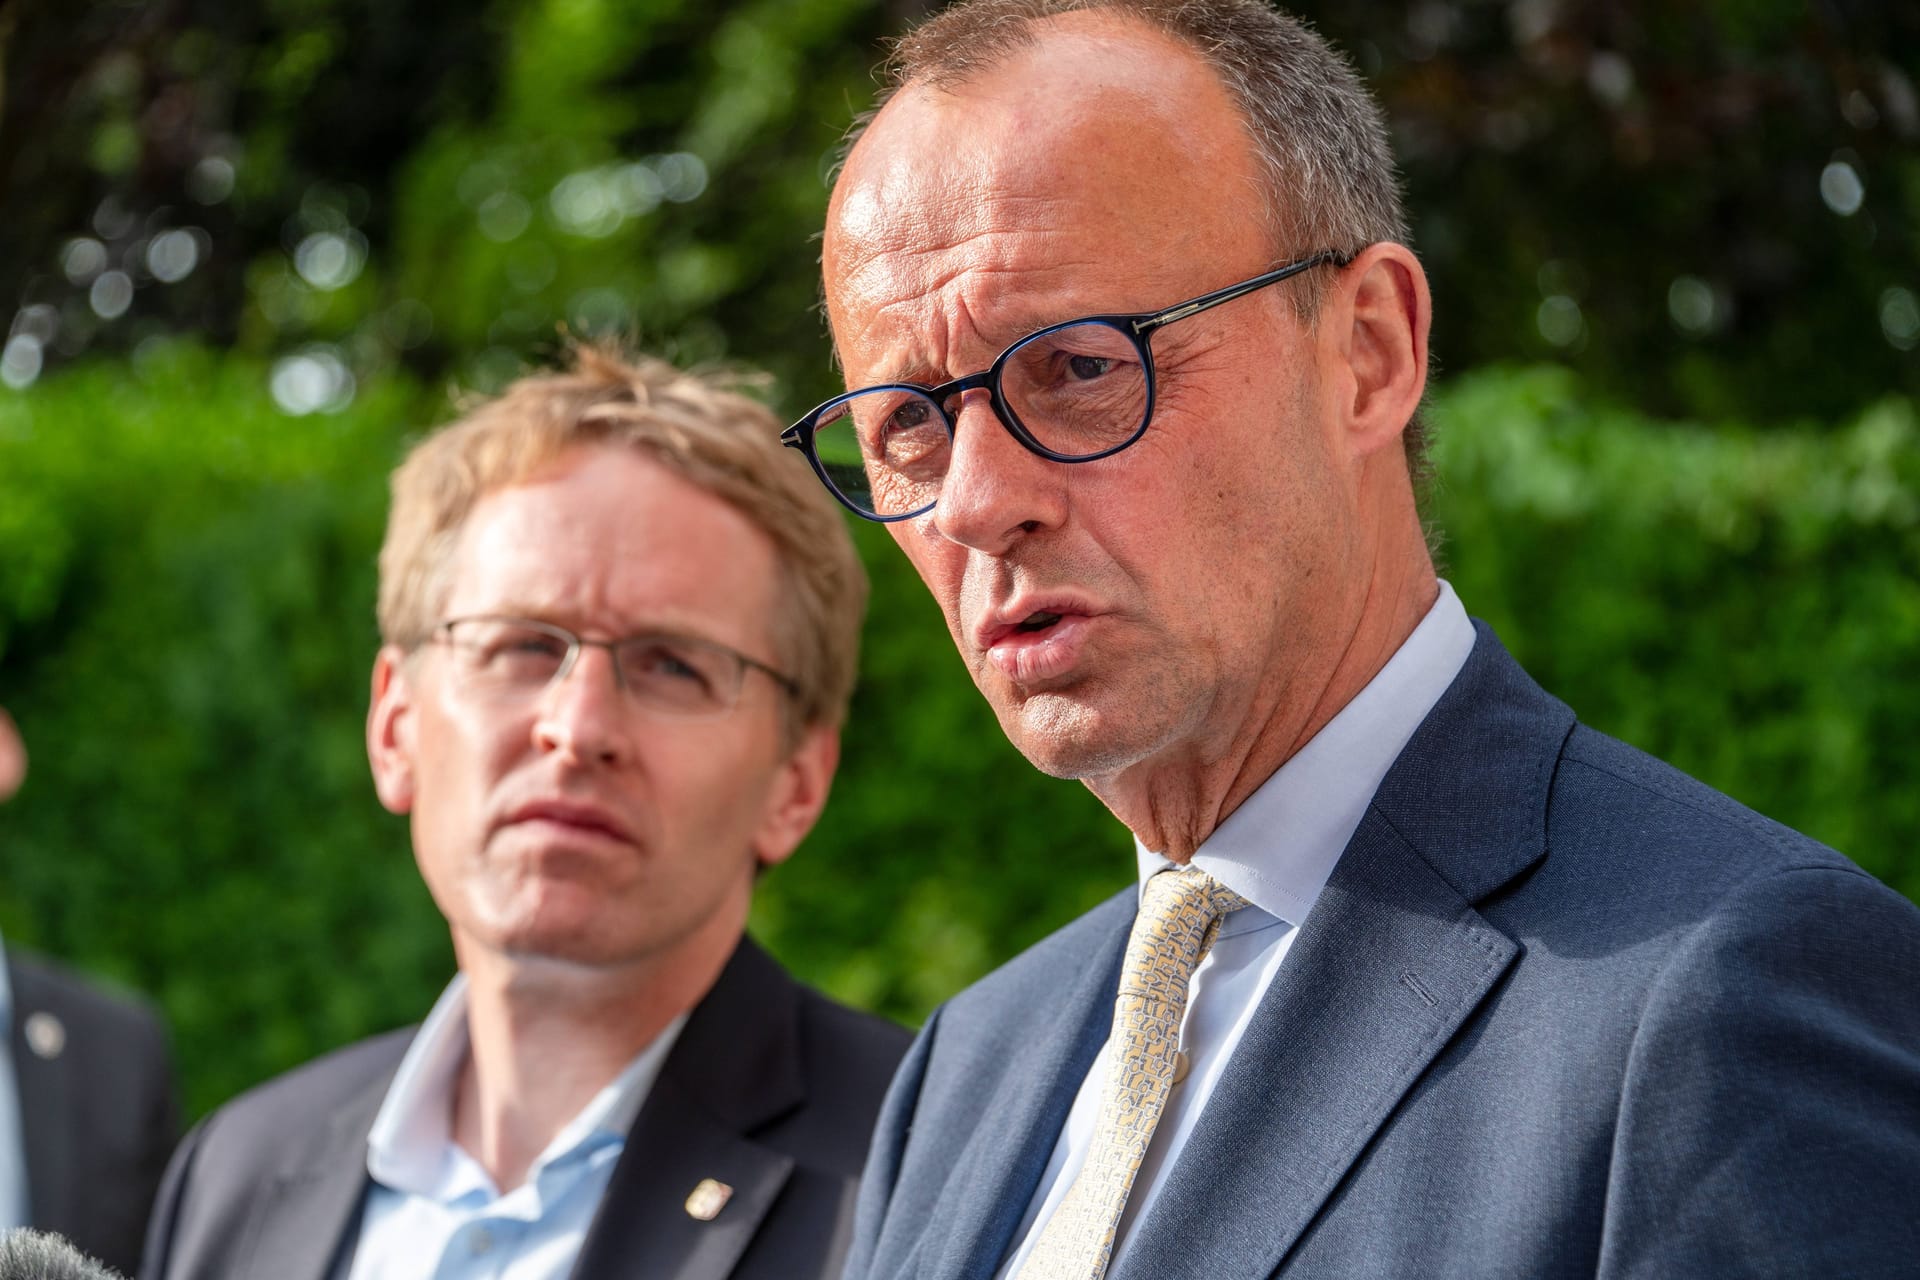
(734, 1069)
(1390, 963)
(309, 1215)
(45, 1106)
(996, 1173)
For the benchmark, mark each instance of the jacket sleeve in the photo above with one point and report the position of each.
(1770, 1116)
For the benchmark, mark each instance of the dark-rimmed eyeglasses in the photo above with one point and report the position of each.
(514, 659)
(1071, 392)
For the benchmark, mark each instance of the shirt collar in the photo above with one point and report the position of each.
(1278, 848)
(412, 1135)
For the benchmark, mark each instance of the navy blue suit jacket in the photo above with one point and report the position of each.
(1560, 1011)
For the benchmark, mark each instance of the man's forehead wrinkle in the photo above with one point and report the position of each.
(966, 315)
(1085, 173)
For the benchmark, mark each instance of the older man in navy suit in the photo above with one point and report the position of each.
(1422, 977)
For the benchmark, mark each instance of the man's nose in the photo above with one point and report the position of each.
(996, 489)
(583, 713)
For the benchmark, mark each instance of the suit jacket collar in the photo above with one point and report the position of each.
(734, 1070)
(1389, 965)
(309, 1219)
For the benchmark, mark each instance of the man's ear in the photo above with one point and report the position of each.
(798, 794)
(390, 730)
(1377, 320)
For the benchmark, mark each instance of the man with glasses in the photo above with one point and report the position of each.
(620, 629)
(1421, 976)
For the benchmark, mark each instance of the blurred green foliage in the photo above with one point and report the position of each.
(186, 593)
(1709, 210)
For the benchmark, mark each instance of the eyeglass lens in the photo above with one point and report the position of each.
(678, 675)
(1077, 391)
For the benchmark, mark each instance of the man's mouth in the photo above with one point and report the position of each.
(1041, 647)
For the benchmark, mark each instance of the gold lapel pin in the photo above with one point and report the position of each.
(706, 1200)
(46, 1034)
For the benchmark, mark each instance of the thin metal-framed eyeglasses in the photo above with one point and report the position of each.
(503, 659)
(1071, 392)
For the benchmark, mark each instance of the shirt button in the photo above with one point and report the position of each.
(480, 1241)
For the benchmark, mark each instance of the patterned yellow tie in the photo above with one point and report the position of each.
(1179, 916)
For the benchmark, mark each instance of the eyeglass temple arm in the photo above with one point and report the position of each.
(1194, 306)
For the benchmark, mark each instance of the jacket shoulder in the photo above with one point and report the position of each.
(849, 1053)
(1608, 791)
(78, 1000)
(303, 1099)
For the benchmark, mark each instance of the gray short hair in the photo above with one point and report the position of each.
(1320, 136)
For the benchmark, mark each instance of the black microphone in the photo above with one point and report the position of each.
(41, 1255)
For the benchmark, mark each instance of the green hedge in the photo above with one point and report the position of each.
(186, 597)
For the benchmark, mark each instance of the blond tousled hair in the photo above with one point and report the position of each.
(697, 425)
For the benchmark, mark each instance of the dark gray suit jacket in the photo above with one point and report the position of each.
(771, 1089)
(1560, 1011)
(97, 1109)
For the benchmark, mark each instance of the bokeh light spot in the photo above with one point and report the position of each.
(172, 255)
(1691, 304)
(1841, 188)
(83, 259)
(586, 204)
(639, 189)
(683, 176)
(41, 321)
(21, 361)
(331, 259)
(1610, 76)
(211, 181)
(111, 295)
(1900, 318)
(503, 216)
(1560, 320)
(315, 380)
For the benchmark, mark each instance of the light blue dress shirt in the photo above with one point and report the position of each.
(433, 1211)
(1276, 851)
(13, 1153)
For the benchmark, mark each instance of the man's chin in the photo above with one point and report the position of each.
(554, 938)
(1069, 736)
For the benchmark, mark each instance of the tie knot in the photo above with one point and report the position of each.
(1188, 893)
(1179, 916)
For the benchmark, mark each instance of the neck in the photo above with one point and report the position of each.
(1172, 802)
(547, 1035)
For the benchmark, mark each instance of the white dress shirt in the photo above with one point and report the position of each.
(1276, 851)
(434, 1212)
